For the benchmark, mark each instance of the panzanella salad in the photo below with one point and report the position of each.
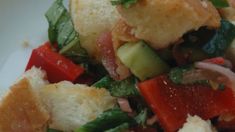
(134, 65)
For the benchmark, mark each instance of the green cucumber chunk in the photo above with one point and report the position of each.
(141, 60)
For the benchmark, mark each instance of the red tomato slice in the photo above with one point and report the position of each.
(58, 67)
(105, 45)
(171, 103)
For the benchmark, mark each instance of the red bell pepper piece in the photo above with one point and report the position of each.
(58, 67)
(171, 102)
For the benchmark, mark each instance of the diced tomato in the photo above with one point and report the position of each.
(105, 45)
(58, 67)
(171, 103)
(217, 60)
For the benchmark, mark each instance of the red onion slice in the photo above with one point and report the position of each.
(124, 105)
(224, 72)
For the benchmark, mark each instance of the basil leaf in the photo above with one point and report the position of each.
(141, 117)
(61, 31)
(109, 119)
(220, 3)
(176, 74)
(124, 88)
(221, 41)
(125, 3)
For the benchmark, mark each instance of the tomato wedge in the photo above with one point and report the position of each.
(105, 45)
(58, 67)
(171, 103)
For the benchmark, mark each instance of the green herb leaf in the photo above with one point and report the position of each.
(141, 117)
(109, 119)
(220, 3)
(122, 128)
(124, 88)
(125, 3)
(222, 39)
(61, 30)
(176, 74)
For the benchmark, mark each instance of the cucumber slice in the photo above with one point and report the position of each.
(141, 60)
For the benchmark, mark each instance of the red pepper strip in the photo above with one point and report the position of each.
(171, 102)
(217, 60)
(58, 67)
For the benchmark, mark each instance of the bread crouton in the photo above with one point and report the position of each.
(71, 106)
(21, 111)
(162, 22)
(36, 77)
(228, 13)
(92, 18)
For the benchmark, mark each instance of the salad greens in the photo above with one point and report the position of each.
(124, 88)
(222, 39)
(125, 3)
(61, 31)
(142, 117)
(176, 74)
(107, 120)
(220, 3)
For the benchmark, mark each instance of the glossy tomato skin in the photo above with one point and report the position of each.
(58, 67)
(172, 103)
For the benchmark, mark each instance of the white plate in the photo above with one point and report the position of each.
(20, 21)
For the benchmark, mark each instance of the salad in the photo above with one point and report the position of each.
(135, 65)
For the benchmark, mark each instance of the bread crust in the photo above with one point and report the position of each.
(71, 106)
(163, 22)
(21, 111)
(91, 18)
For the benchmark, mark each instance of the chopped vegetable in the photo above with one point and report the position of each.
(108, 57)
(141, 117)
(176, 74)
(75, 52)
(125, 3)
(124, 88)
(124, 105)
(142, 60)
(171, 103)
(61, 31)
(109, 119)
(220, 3)
(222, 74)
(222, 39)
(122, 128)
(58, 67)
